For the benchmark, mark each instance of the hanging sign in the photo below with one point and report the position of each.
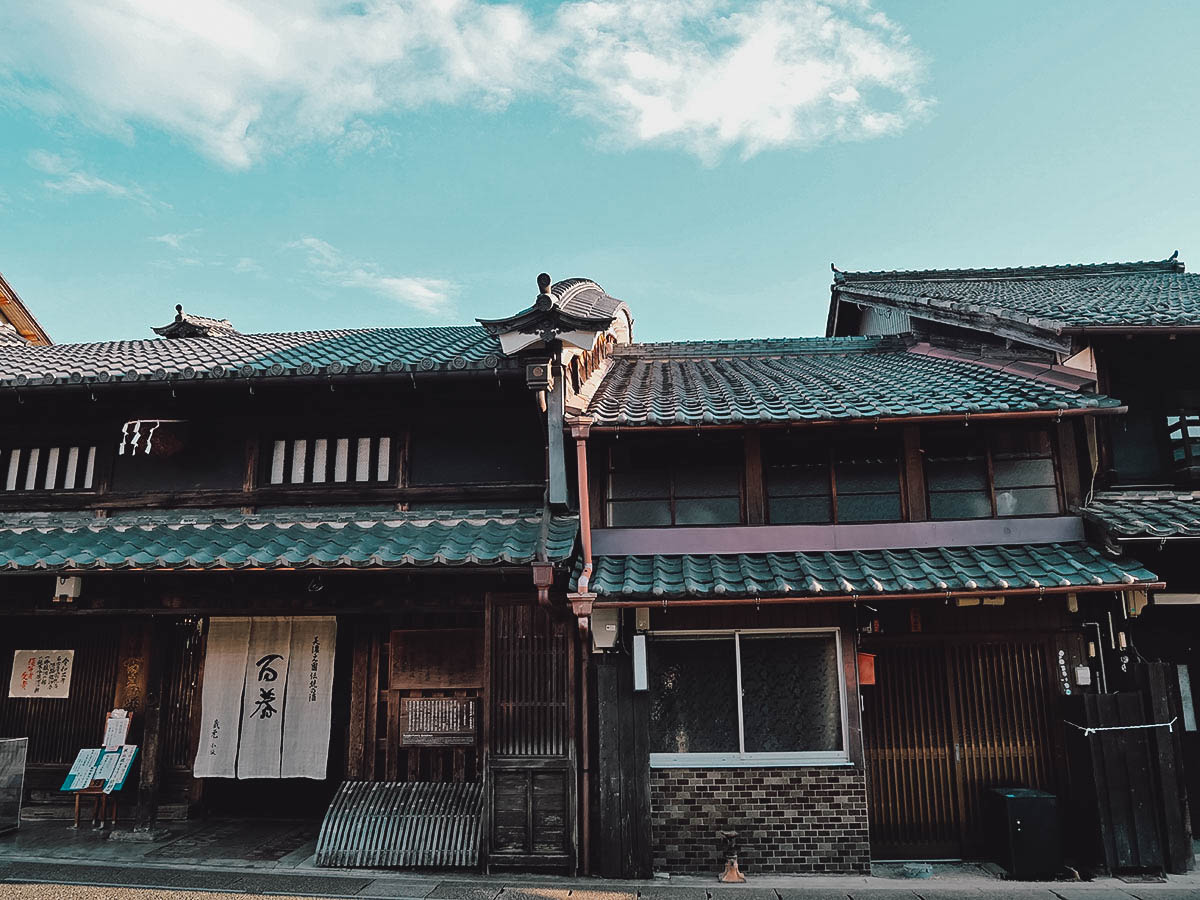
(308, 711)
(41, 673)
(263, 698)
(266, 700)
(221, 697)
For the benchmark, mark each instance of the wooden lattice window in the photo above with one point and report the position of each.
(60, 468)
(331, 460)
(1183, 433)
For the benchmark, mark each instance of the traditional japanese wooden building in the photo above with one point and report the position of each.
(1133, 330)
(305, 562)
(845, 585)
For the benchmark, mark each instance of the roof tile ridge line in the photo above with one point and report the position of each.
(734, 347)
(1061, 270)
(1055, 326)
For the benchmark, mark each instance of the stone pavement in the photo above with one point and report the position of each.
(201, 857)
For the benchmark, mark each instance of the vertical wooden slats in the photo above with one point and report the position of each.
(380, 824)
(57, 729)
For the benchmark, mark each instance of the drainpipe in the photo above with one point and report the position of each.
(579, 431)
(581, 604)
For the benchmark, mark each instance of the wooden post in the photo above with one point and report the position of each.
(914, 474)
(755, 488)
(146, 817)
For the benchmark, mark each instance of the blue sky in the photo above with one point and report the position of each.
(308, 165)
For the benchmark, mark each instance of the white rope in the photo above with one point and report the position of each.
(1090, 730)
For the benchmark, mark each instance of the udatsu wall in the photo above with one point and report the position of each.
(788, 820)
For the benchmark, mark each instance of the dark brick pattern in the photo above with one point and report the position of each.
(794, 820)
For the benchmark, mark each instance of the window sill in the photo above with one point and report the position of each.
(746, 760)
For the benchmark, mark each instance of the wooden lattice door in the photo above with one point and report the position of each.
(944, 722)
(531, 747)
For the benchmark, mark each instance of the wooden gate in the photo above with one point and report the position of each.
(945, 721)
(531, 748)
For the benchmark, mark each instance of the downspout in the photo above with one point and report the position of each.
(581, 604)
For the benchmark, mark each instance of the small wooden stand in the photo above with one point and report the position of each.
(104, 805)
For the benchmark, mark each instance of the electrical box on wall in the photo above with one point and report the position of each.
(605, 628)
(67, 589)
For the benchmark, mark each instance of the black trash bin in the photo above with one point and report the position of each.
(1023, 832)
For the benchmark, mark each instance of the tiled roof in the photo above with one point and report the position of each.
(1146, 514)
(863, 572)
(583, 297)
(364, 350)
(1053, 298)
(807, 379)
(299, 539)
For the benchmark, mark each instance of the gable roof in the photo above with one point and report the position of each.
(14, 313)
(1053, 300)
(302, 353)
(795, 380)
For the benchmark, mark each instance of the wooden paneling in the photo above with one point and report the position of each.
(436, 658)
(946, 721)
(531, 747)
(389, 668)
(57, 729)
(622, 842)
(531, 684)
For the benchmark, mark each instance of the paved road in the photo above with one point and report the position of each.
(378, 891)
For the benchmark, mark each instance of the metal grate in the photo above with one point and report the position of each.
(409, 824)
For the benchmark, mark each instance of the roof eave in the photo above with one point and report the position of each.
(32, 329)
(1038, 332)
(604, 427)
(767, 599)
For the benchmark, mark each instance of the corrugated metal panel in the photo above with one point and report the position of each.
(418, 824)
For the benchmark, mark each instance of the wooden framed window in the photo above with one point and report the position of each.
(995, 473)
(1183, 436)
(53, 468)
(675, 482)
(746, 698)
(363, 460)
(799, 481)
(852, 480)
(866, 479)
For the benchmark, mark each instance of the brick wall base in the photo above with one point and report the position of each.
(806, 820)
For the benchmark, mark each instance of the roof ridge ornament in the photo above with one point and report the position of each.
(186, 325)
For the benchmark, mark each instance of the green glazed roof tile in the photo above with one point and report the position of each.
(1093, 295)
(314, 538)
(809, 379)
(863, 572)
(1146, 514)
(360, 351)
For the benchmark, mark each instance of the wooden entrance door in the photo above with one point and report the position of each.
(945, 721)
(531, 744)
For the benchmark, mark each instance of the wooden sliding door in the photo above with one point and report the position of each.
(946, 721)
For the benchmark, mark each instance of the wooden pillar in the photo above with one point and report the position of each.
(755, 488)
(146, 819)
(622, 839)
(914, 474)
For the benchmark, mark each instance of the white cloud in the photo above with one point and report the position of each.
(431, 296)
(68, 178)
(241, 81)
(246, 264)
(174, 240)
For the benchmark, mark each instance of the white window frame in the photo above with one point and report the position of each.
(742, 759)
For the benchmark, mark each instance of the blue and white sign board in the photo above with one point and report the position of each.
(98, 764)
